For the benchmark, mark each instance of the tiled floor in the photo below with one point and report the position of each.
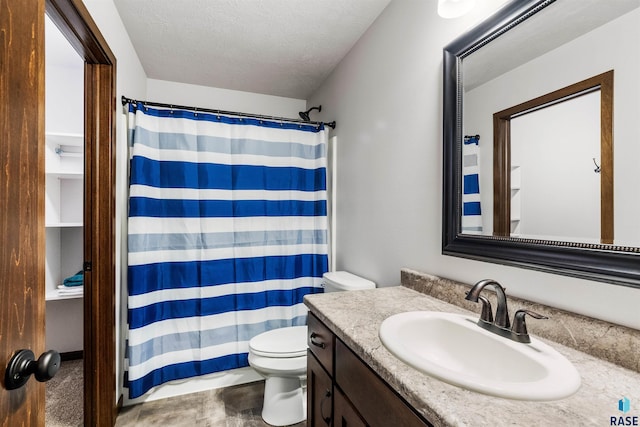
(237, 406)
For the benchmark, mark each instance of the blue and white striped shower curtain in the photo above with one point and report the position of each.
(227, 233)
(471, 208)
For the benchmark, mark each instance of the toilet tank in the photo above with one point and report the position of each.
(335, 281)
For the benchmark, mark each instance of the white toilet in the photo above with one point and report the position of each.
(280, 355)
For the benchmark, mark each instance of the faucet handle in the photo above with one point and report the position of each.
(519, 324)
(486, 314)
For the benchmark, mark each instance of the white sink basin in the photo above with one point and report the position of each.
(454, 349)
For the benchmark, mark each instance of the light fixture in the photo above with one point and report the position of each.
(454, 8)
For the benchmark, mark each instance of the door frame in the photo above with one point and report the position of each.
(73, 19)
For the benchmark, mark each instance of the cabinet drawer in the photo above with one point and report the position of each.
(376, 402)
(321, 342)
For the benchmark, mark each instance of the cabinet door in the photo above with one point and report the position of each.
(319, 394)
(374, 399)
(344, 414)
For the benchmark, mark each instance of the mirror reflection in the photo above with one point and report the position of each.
(555, 189)
(552, 190)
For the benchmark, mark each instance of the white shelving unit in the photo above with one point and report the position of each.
(64, 189)
(516, 179)
(63, 210)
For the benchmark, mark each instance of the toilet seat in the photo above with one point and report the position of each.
(285, 367)
(280, 343)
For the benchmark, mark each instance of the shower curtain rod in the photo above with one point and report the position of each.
(126, 100)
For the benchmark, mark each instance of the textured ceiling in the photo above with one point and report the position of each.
(275, 47)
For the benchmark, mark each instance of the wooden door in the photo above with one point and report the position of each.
(22, 181)
(22, 177)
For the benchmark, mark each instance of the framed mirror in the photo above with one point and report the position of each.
(528, 50)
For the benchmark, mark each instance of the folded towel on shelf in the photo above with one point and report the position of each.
(75, 290)
(75, 280)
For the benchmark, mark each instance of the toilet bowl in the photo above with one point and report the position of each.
(280, 355)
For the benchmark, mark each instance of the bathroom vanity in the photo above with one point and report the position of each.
(353, 380)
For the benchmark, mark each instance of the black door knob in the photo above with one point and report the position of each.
(23, 364)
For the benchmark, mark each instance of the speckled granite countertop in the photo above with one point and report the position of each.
(355, 318)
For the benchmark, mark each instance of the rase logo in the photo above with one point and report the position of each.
(624, 406)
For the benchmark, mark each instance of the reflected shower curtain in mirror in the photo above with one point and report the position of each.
(471, 209)
(227, 234)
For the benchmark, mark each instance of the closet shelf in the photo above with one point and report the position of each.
(63, 224)
(55, 296)
(66, 175)
(56, 138)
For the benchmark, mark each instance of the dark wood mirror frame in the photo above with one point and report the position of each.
(502, 151)
(606, 263)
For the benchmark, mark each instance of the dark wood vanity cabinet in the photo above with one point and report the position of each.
(342, 391)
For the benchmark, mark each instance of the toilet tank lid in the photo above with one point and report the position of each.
(347, 281)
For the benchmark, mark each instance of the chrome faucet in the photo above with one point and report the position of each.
(501, 325)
